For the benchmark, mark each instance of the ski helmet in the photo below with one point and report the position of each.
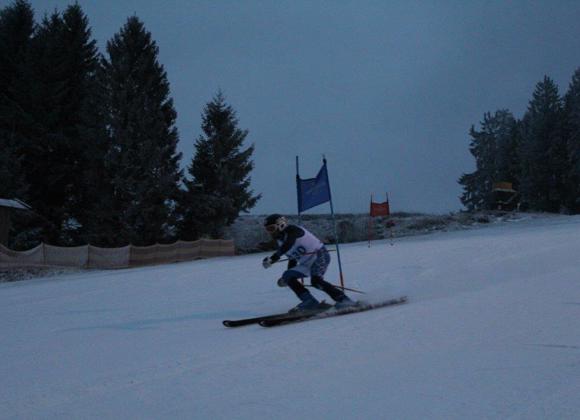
(275, 223)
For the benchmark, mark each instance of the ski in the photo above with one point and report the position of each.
(248, 321)
(299, 317)
(256, 320)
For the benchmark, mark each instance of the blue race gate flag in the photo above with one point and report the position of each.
(313, 191)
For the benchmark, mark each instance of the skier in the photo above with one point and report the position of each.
(307, 256)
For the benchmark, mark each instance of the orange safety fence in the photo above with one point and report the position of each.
(89, 256)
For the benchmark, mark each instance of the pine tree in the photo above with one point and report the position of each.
(494, 150)
(45, 148)
(219, 188)
(542, 151)
(507, 142)
(142, 163)
(16, 31)
(86, 126)
(471, 197)
(85, 123)
(59, 144)
(572, 135)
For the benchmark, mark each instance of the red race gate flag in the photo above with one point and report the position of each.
(380, 209)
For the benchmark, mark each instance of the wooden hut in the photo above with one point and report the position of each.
(504, 196)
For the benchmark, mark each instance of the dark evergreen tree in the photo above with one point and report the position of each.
(16, 31)
(97, 198)
(219, 188)
(508, 138)
(572, 135)
(60, 142)
(494, 150)
(44, 148)
(86, 108)
(542, 151)
(142, 163)
(471, 198)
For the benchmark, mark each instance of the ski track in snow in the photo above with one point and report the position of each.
(490, 331)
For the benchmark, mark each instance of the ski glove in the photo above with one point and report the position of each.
(268, 261)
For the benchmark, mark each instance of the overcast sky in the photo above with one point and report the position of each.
(387, 90)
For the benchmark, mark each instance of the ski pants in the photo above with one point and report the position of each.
(317, 270)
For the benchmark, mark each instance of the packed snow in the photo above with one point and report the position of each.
(490, 331)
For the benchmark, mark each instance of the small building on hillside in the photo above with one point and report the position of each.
(7, 207)
(504, 196)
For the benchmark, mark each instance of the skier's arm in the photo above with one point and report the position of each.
(290, 235)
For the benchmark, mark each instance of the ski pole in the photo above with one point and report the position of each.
(344, 288)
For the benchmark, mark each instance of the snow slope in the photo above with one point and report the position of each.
(491, 331)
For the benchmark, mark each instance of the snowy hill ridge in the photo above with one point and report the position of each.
(490, 331)
(249, 235)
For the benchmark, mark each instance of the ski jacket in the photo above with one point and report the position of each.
(298, 244)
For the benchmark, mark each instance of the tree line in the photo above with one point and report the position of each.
(539, 153)
(89, 140)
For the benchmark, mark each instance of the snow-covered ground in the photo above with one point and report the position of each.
(491, 331)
